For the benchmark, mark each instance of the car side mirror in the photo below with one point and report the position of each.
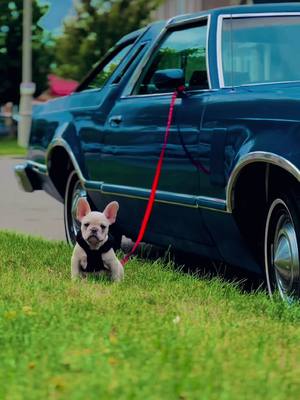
(169, 79)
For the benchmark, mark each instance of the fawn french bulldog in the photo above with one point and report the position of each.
(94, 252)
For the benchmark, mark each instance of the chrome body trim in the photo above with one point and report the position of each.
(258, 156)
(204, 202)
(261, 84)
(219, 49)
(219, 42)
(209, 203)
(167, 94)
(206, 51)
(147, 95)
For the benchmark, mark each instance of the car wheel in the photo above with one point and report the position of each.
(281, 248)
(74, 191)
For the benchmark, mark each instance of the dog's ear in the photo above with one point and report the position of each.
(83, 208)
(111, 211)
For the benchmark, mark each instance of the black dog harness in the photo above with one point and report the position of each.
(94, 257)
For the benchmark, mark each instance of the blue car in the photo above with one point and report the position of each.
(229, 188)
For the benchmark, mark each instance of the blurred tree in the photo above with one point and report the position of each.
(11, 49)
(96, 27)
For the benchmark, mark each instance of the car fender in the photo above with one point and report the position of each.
(67, 139)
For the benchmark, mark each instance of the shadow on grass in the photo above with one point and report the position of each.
(189, 263)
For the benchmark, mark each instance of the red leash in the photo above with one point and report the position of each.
(155, 180)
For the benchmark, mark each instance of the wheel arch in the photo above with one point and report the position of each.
(254, 182)
(270, 161)
(60, 161)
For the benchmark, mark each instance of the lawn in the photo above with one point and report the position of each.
(160, 334)
(9, 147)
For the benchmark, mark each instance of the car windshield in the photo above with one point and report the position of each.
(260, 50)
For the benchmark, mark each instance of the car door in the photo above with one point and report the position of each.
(134, 135)
(89, 105)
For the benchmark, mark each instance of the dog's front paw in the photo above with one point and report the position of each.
(117, 274)
(75, 277)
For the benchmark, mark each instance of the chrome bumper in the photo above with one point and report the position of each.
(24, 177)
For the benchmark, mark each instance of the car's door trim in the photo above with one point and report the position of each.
(178, 199)
(183, 200)
(210, 203)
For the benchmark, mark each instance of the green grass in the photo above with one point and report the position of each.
(159, 334)
(9, 147)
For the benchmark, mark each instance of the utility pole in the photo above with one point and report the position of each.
(27, 87)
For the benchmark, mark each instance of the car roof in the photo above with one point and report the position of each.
(131, 36)
(245, 9)
(135, 34)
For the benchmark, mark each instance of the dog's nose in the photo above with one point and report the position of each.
(94, 230)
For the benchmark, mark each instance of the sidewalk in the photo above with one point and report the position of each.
(34, 213)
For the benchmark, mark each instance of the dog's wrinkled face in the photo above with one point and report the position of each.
(94, 224)
(94, 228)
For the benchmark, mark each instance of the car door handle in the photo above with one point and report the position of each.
(115, 120)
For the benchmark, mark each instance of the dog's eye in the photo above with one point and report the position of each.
(102, 227)
(86, 225)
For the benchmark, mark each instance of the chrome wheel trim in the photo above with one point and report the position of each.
(281, 251)
(78, 192)
(71, 201)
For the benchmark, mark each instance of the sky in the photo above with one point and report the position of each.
(59, 9)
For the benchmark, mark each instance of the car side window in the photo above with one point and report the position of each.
(260, 49)
(99, 76)
(184, 49)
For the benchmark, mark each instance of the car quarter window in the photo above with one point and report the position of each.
(184, 48)
(260, 49)
(99, 77)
